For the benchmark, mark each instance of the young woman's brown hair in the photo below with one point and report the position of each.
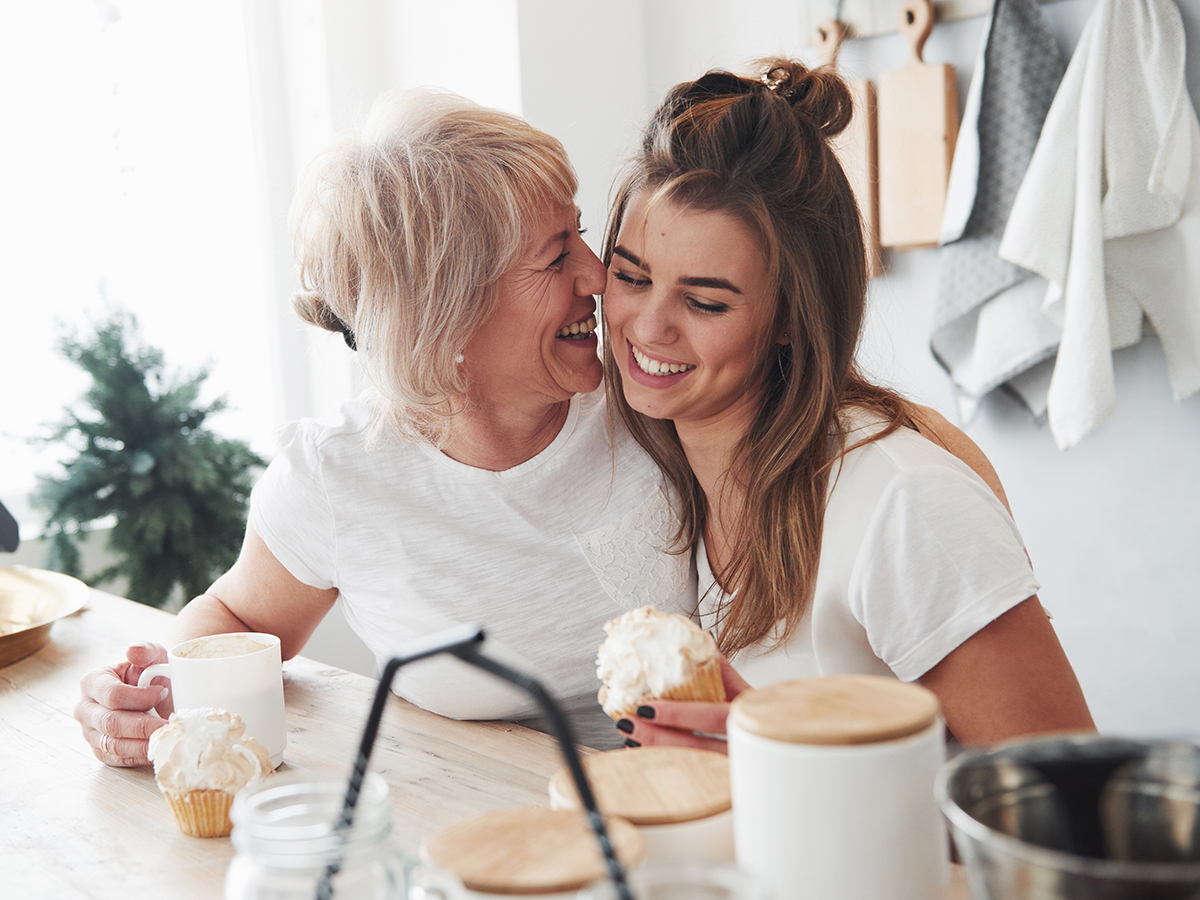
(759, 150)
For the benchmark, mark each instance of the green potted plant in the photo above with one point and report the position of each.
(175, 493)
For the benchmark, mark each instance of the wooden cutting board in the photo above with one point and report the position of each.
(918, 125)
(856, 146)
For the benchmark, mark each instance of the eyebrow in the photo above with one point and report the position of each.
(721, 284)
(563, 236)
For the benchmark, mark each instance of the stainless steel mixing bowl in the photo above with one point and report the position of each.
(1081, 817)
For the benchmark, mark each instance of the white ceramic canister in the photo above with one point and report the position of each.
(833, 789)
(678, 797)
(529, 852)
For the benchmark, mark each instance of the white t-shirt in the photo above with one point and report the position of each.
(917, 555)
(541, 555)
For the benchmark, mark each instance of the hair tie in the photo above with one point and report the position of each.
(774, 78)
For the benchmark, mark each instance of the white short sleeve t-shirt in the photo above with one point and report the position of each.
(540, 555)
(917, 555)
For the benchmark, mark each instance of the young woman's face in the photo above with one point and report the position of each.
(540, 341)
(690, 313)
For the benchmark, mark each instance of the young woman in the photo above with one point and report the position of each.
(829, 535)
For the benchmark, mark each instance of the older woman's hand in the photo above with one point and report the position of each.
(114, 712)
(684, 723)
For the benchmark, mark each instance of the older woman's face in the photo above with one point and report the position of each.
(540, 342)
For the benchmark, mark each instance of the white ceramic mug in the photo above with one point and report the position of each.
(241, 673)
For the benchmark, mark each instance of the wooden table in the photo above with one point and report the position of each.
(73, 827)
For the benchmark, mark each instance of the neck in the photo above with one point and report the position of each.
(492, 437)
(711, 449)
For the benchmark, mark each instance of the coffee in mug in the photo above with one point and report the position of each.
(241, 673)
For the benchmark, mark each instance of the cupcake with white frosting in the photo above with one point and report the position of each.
(649, 655)
(201, 758)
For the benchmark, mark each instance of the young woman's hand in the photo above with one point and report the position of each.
(684, 723)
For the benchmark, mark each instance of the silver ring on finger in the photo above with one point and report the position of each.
(104, 747)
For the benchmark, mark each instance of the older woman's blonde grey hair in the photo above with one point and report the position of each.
(402, 230)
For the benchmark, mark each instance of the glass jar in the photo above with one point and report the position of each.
(283, 831)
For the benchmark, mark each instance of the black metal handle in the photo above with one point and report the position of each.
(464, 643)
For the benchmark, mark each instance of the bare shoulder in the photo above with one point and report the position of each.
(933, 426)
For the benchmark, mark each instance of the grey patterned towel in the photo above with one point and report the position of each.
(988, 328)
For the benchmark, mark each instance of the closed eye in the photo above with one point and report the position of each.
(630, 279)
(701, 306)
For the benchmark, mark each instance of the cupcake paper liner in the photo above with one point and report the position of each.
(202, 813)
(705, 683)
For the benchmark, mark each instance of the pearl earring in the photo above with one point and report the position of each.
(458, 358)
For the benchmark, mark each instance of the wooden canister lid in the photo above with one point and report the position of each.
(530, 850)
(836, 709)
(651, 785)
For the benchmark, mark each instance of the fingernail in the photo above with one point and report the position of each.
(630, 742)
(645, 712)
(162, 695)
(625, 725)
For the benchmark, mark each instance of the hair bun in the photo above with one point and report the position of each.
(311, 307)
(819, 95)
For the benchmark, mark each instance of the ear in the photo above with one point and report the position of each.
(781, 321)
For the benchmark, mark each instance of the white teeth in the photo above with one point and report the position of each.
(655, 367)
(577, 328)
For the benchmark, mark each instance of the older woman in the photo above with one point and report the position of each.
(829, 534)
(475, 481)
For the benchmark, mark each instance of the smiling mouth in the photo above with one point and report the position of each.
(655, 367)
(577, 331)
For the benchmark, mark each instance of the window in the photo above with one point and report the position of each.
(128, 175)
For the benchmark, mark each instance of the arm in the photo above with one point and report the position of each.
(257, 594)
(1009, 679)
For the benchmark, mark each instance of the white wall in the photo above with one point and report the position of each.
(1111, 525)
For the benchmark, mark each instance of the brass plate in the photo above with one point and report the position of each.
(31, 600)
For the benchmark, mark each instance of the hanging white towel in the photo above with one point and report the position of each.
(988, 327)
(1109, 210)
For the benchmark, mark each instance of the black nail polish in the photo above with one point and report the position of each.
(645, 712)
(625, 725)
(630, 742)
